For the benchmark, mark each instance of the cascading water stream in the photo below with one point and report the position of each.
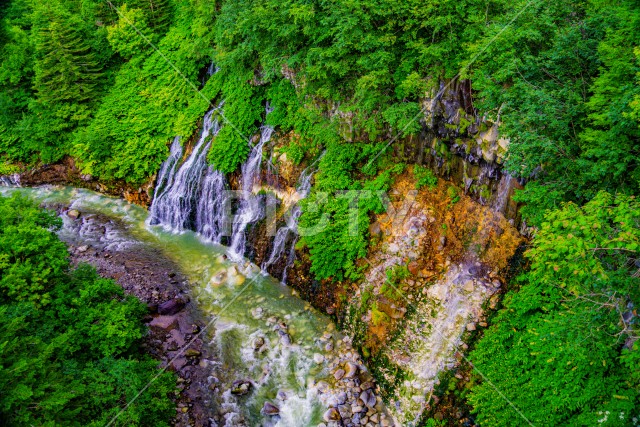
(168, 169)
(10, 180)
(263, 335)
(502, 194)
(213, 207)
(250, 209)
(174, 206)
(288, 234)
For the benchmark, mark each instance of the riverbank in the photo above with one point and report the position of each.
(173, 320)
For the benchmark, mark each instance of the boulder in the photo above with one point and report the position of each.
(191, 352)
(170, 307)
(468, 286)
(414, 268)
(331, 414)
(73, 213)
(368, 398)
(350, 370)
(164, 323)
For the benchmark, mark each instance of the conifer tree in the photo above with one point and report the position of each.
(67, 70)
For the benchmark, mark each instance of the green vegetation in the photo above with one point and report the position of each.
(452, 192)
(69, 340)
(556, 350)
(424, 177)
(111, 87)
(395, 276)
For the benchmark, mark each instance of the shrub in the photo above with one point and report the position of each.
(424, 177)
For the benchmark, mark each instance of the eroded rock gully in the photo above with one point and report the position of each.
(435, 265)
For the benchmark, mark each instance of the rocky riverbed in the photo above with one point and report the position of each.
(174, 320)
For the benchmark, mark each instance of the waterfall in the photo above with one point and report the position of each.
(195, 196)
(502, 194)
(168, 168)
(289, 232)
(175, 204)
(250, 209)
(10, 180)
(213, 207)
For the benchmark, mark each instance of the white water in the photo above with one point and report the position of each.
(10, 180)
(288, 234)
(174, 207)
(213, 207)
(246, 303)
(250, 209)
(502, 194)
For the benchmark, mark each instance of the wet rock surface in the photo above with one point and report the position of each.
(174, 321)
(435, 265)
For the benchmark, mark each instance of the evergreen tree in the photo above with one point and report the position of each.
(67, 70)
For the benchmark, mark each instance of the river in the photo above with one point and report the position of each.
(243, 306)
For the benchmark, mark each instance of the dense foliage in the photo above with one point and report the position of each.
(111, 83)
(100, 83)
(69, 340)
(561, 351)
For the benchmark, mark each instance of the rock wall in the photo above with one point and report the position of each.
(460, 145)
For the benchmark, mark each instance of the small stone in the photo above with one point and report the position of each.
(270, 409)
(170, 307)
(331, 414)
(351, 369)
(471, 326)
(73, 214)
(240, 387)
(284, 337)
(366, 385)
(345, 411)
(82, 249)
(414, 268)
(282, 395)
(483, 324)
(356, 409)
(338, 374)
(192, 352)
(318, 358)
(468, 286)
(164, 323)
(393, 248)
(368, 398)
(258, 343)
